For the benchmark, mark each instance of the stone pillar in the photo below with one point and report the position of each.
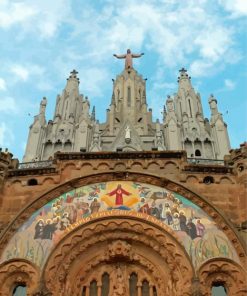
(151, 290)
(139, 289)
(87, 290)
(99, 289)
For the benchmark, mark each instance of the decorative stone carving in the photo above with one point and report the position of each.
(133, 241)
(118, 283)
(119, 248)
(18, 272)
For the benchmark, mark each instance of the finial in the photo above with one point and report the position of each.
(183, 70)
(74, 72)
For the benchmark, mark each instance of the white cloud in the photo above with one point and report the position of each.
(12, 13)
(2, 84)
(229, 84)
(8, 105)
(43, 17)
(20, 71)
(236, 7)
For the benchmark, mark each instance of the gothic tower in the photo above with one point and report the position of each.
(186, 128)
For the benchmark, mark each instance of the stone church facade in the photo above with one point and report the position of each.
(126, 207)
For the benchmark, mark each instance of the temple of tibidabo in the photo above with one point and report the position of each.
(127, 207)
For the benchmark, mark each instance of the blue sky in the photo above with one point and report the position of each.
(42, 41)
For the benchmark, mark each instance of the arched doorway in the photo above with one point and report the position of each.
(119, 255)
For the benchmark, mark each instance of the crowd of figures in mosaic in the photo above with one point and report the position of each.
(45, 228)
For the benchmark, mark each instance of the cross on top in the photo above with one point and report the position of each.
(183, 70)
(74, 72)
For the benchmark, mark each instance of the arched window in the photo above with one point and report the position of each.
(133, 284)
(129, 97)
(32, 182)
(93, 291)
(145, 288)
(218, 289)
(208, 180)
(198, 152)
(20, 290)
(105, 284)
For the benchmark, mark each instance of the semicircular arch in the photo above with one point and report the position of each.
(142, 181)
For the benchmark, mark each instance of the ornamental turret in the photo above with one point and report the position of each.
(71, 127)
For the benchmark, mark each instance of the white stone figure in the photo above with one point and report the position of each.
(127, 134)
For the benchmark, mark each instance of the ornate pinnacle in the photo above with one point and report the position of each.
(93, 114)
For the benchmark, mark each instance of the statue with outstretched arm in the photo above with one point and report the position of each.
(128, 58)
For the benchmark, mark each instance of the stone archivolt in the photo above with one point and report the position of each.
(131, 243)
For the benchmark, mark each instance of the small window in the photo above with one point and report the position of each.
(133, 284)
(32, 182)
(208, 180)
(93, 288)
(145, 288)
(198, 152)
(218, 289)
(20, 290)
(105, 284)
(129, 97)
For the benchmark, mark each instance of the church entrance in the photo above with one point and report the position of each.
(119, 256)
(119, 279)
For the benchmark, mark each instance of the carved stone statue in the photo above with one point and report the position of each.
(118, 283)
(128, 58)
(127, 133)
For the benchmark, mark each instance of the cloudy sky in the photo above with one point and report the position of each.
(43, 40)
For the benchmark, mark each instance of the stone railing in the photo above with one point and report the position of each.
(35, 164)
(205, 161)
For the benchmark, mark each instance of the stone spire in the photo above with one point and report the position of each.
(93, 114)
(70, 129)
(219, 129)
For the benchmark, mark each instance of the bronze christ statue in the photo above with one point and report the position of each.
(128, 58)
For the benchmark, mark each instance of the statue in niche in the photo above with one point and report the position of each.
(128, 58)
(118, 283)
(127, 134)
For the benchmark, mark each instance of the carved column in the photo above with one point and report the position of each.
(139, 289)
(87, 290)
(99, 289)
(151, 290)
